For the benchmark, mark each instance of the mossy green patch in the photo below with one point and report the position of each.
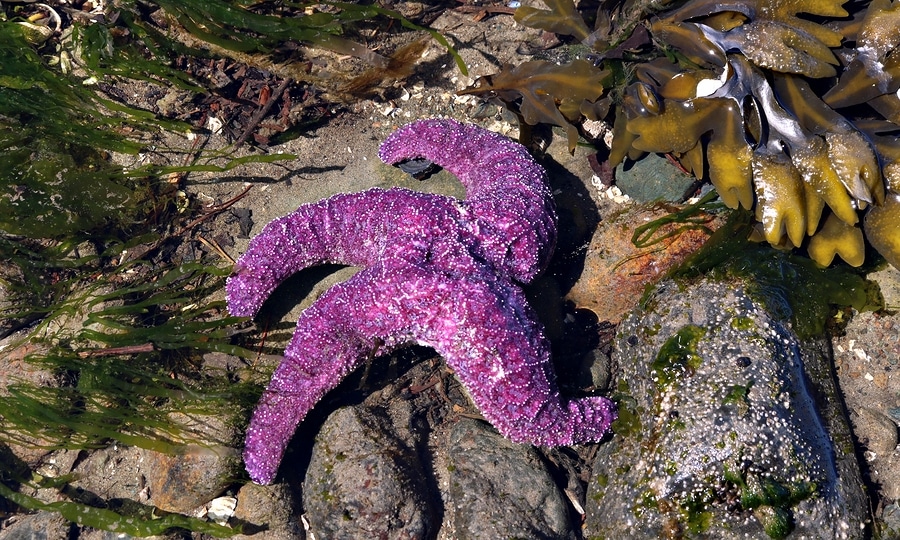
(742, 323)
(628, 422)
(777, 522)
(809, 291)
(738, 396)
(678, 356)
(770, 499)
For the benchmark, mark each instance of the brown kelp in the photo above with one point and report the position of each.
(788, 108)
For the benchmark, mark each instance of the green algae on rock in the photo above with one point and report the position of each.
(747, 444)
(678, 356)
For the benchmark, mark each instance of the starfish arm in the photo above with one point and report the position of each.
(499, 353)
(507, 191)
(326, 346)
(482, 326)
(357, 229)
(486, 331)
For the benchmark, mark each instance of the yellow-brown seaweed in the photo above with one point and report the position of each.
(733, 100)
(882, 226)
(780, 198)
(814, 165)
(837, 238)
(779, 47)
(855, 164)
(729, 157)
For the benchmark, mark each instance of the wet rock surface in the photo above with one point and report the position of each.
(493, 488)
(722, 434)
(38, 526)
(867, 361)
(365, 479)
(268, 511)
(616, 271)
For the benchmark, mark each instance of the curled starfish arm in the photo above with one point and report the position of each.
(489, 335)
(482, 326)
(506, 190)
(499, 352)
(327, 345)
(357, 229)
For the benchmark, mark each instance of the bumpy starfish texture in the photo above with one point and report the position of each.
(436, 271)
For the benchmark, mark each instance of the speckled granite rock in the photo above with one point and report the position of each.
(173, 483)
(867, 358)
(269, 511)
(721, 434)
(38, 526)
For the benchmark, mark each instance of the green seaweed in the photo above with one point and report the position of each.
(256, 36)
(628, 422)
(737, 395)
(102, 518)
(770, 500)
(163, 323)
(117, 318)
(808, 289)
(119, 338)
(690, 217)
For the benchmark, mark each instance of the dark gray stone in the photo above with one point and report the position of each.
(365, 480)
(890, 517)
(495, 488)
(268, 511)
(653, 178)
(729, 427)
(38, 526)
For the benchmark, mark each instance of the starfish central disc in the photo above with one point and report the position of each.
(436, 271)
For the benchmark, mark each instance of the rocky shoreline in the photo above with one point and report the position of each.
(409, 458)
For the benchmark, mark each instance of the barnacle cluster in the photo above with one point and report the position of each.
(790, 108)
(746, 114)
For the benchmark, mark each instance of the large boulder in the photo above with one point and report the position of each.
(730, 426)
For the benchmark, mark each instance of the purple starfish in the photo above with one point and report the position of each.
(436, 271)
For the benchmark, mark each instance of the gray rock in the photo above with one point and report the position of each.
(890, 517)
(867, 359)
(174, 483)
(98, 534)
(38, 526)
(880, 430)
(720, 435)
(494, 488)
(267, 511)
(653, 178)
(365, 480)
